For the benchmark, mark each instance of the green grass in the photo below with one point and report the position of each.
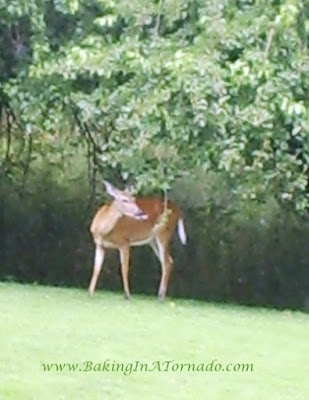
(52, 325)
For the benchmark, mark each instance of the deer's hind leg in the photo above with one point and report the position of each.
(166, 264)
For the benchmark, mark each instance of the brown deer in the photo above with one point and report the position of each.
(130, 221)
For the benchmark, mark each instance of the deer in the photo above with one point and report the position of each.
(135, 221)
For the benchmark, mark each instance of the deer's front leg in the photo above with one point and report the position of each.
(125, 260)
(98, 262)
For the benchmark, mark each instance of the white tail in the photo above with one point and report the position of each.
(130, 221)
(181, 231)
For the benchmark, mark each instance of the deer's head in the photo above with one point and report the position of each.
(125, 202)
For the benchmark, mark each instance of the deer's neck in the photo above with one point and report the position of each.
(109, 220)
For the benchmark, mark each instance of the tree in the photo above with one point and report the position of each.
(161, 90)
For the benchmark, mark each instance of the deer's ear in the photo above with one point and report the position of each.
(128, 189)
(111, 189)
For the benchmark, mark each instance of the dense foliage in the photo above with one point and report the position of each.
(160, 88)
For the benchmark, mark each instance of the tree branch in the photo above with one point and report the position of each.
(269, 42)
(158, 21)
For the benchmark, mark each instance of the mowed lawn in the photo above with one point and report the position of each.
(57, 325)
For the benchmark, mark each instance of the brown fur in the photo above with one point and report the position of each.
(109, 226)
(111, 229)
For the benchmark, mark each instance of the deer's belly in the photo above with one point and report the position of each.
(114, 244)
(142, 242)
